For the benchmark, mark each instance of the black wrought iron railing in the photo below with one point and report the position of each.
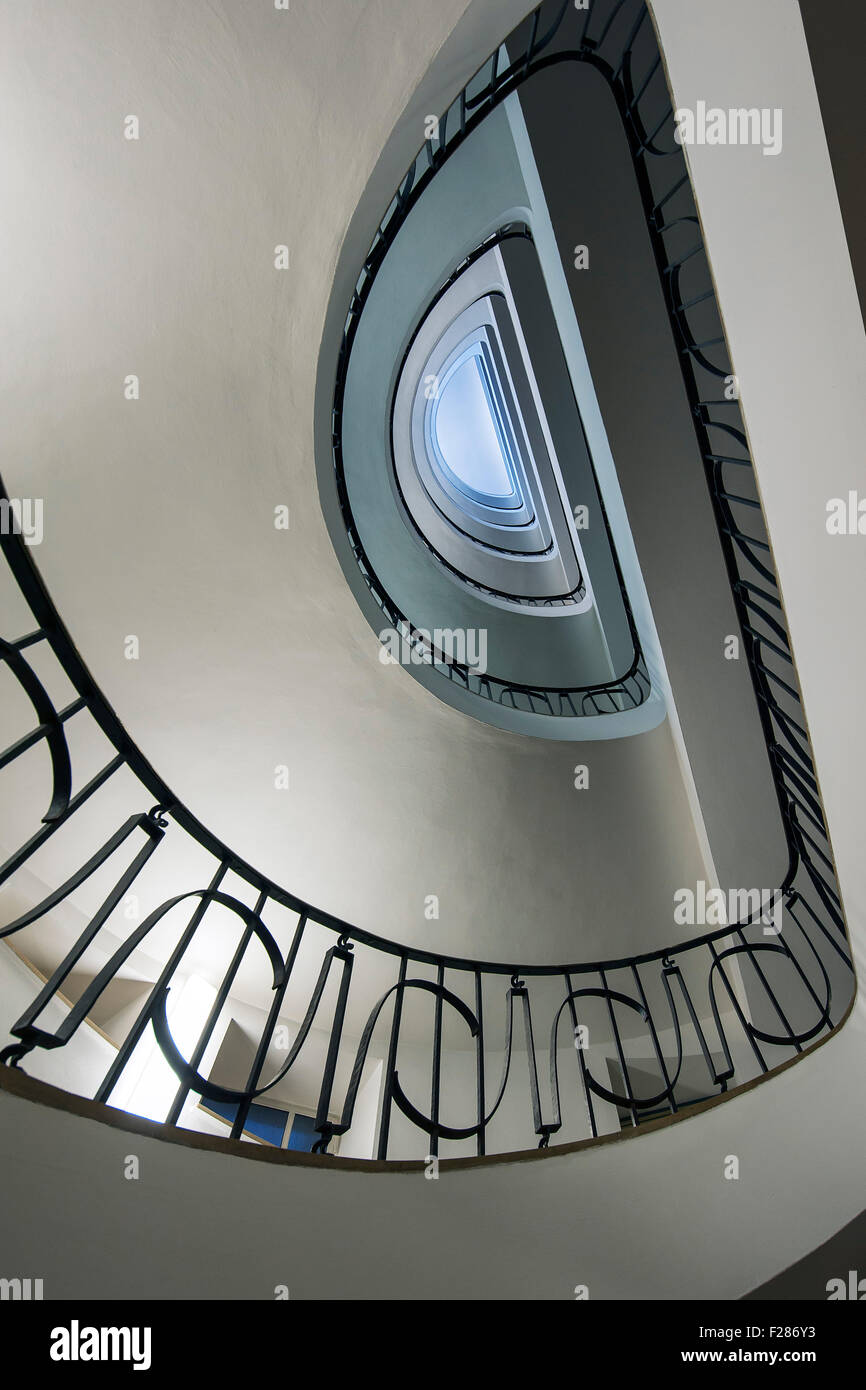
(737, 1001)
(691, 987)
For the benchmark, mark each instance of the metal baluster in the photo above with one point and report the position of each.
(717, 1080)
(780, 1013)
(620, 1053)
(518, 988)
(219, 1003)
(587, 1094)
(479, 1063)
(268, 1030)
(342, 952)
(737, 1010)
(137, 1030)
(655, 1041)
(387, 1092)
(100, 917)
(437, 1062)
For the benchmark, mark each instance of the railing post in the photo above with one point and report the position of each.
(390, 1065)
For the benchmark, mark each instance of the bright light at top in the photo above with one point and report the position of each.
(147, 1085)
(467, 434)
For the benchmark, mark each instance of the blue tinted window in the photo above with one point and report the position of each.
(262, 1121)
(303, 1135)
(468, 432)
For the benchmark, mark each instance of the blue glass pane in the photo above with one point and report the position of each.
(303, 1135)
(467, 433)
(263, 1120)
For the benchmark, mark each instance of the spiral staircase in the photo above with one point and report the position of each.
(167, 990)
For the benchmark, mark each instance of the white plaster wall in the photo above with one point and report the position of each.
(652, 1217)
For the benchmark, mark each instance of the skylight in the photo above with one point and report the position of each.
(470, 447)
(468, 431)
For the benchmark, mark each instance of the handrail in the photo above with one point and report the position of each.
(665, 990)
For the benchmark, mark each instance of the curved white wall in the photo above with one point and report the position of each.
(650, 1217)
